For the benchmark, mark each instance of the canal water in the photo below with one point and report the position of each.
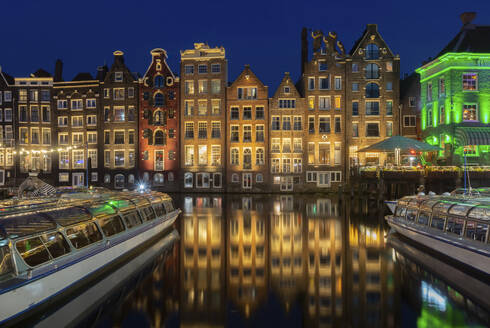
(289, 261)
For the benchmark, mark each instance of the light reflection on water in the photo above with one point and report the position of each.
(302, 260)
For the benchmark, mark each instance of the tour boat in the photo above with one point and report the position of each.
(455, 227)
(59, 245)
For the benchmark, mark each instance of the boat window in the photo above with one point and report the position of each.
(6, 268)
(438, 221)
(33, 251)
(411, 214)
(147, 213)
(401, 211)
(56, 244)
(132, 219)
(169, 206)
(83, 234)
(476, 230)
(460, 209)
(159, 209)
(111, 225)
(479, 212)
(455, 226)
(423, 218)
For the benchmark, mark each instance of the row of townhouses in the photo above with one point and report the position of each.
(200, 132)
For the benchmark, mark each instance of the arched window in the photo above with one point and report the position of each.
(372, 71)
(107, 178)
(131, 179)
(372, 51)
(234, 157)
(259, 156)
(160, 138)
(158, 178)
(188, 180)
(247, 158)
(259, 177)
(158, 117)
(235, 177)
(158, 81)
(119, 181)
(159, 99)
(372, 90)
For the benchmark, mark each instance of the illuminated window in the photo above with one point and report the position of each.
(275, 145)
(389, 129)
(202, 107)
(91, 120)
(470, 81)
(64, 160)
(215, 86)
(275, 165)
(234, 157)
(470, 112)
(429, 91)
(77, 138)
(311, 102)
(286, 145)
(118, 94)
(78, 162)
(215, 155)
(203, 154)
(389, 107)
(297, 145)
(389, 66)
(189, 107)
(203, 86)
(324, 153)
(297, 165)
(338, 102)
(442, 115)
(311, 153)
(247, 158)
(46, 136)
(189, 155)
(297, 125)
(77, 121)
(215, 107)
(92, 137)
(189, 87)
(62, 138)
(118, 114)
(286, 165)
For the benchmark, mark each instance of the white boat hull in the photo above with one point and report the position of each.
(17, 301)
(465, 255)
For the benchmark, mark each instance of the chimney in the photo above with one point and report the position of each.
(58, 71)
(467, 17)
(118, 57)
(304, 49)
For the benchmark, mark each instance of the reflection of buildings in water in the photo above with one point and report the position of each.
(370, 277)
(287, 250)
(325, 263)
(202, 265)
(247, 254)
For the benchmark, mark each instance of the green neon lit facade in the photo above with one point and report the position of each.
(442, 113)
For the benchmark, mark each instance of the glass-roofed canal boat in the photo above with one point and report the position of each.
(51, 247)
(456, 227)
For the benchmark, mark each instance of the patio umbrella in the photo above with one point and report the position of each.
(399, 143)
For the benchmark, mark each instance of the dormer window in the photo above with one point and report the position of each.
(322, 65)
(287, 90)
(118, 77)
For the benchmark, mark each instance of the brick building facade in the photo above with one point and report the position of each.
(119, 117)
(7, 124)
(247, 135)
(410, 105)
(159, 124)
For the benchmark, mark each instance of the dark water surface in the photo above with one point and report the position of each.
(289, 261)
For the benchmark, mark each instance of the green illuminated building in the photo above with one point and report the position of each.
(455, 96)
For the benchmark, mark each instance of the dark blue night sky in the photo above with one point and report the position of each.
(264, 34)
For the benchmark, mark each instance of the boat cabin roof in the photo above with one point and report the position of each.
(477, 208)
(37, 221)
